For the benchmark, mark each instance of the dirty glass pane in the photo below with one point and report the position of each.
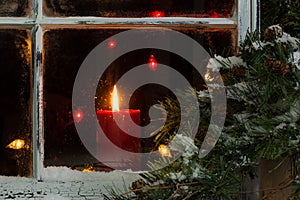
(14, 8)
(15, 103)
(64, 52)
(140, 8)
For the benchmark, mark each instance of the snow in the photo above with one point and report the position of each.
(183, 144)
(204, 94)
(177, 176)
(54, 197)
(8, 179)
(281, 126)
(296, 59)
(67, 174)
(288, 39)
(258, 45)
(220, 62)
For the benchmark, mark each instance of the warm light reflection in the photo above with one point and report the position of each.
(115, 100)
(89, 169)
(164, 151)
(16, 144)
(208, 77)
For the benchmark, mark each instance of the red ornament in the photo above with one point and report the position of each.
(152, 63)
(78, 115)
(112, 44)
(157, 13)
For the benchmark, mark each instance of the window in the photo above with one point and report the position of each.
(43, 44)
(15, 102)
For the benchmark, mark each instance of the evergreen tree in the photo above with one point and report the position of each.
(286, 13)
(263, 121)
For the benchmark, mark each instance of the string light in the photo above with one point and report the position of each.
(16, 144)
(152, 63)
(89, 169)
(157, 13)
(164, 151)
(112, 44)
(78, 116)
(214, 14)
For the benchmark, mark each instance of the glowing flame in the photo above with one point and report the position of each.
(164, 151)
(115, 100)
(16, 144)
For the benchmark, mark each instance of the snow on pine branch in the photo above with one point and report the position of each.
(219, 62)
(295, 59)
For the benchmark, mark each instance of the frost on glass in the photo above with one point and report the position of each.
(63, 54)
(15, 103)
(140, 8)
(14, 8)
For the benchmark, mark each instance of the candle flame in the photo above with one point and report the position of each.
(115, 99)
(16, 144)
(164, 151)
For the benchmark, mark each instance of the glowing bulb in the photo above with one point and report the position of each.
(16, 144)
(208, 77)
(78, 115)
(157, 13)
(214, 14)
(89, 169)
(164, 151)
(152, 63)
(115, 99)
(112, 44)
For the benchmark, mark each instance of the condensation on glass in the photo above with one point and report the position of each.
(64, 51)
(14, 8)
(15, 103)
(140, 8)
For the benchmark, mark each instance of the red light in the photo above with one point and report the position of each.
(78, 116)
(152, 63)
(157, 13)
(112, 44)
(214, 14)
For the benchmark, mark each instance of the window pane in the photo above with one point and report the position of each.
(140, 8)
(14, 8)
(64, 52)
(15, 103)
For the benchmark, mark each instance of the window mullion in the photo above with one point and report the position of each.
(37, 112)
(155, 21)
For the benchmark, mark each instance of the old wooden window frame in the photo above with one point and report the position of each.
(245, 18)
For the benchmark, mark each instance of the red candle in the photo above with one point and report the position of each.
(119, 136)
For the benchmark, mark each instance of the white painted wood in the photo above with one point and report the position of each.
(247, 17)
(20, 21)
(37, 111)
(165, 20)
